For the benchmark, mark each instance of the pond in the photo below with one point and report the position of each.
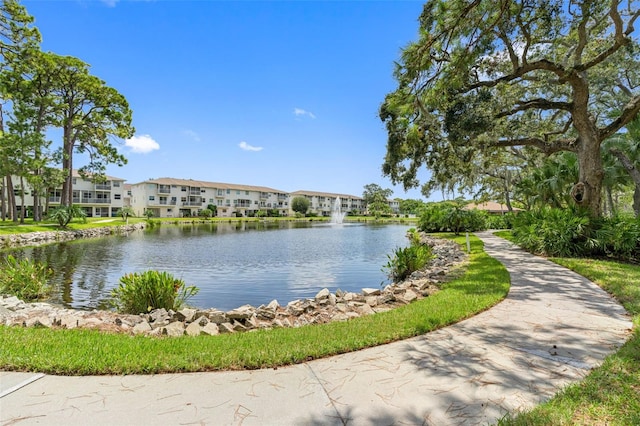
(232, 263)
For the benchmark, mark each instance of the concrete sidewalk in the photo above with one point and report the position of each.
(550, 331)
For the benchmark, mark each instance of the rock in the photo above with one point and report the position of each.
(186, 314)
(408, 296)
(193, 329)
(365, 310)
(211, 329)
(142, 327)
(323, 294)
(217, 317)
(370, 292)
(241, 313)
(159, 316)
(226, 327)
(174, 329)
(274, 305)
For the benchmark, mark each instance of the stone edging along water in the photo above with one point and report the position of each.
(46, 237)
(323, 308)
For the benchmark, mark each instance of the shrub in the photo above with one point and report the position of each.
(451, 216)
(149, 290)
(406, 260)
(206, 213)
(25, 279)
(65, 214)
(556, 232)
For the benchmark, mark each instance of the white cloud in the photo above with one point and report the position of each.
(246, 147)
(142, 144)
(193, 135)
(300, 111)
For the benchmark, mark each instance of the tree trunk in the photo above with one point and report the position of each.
(11, 198)
(635, 176)
(66, 198)
(587, 193)
(612, 208)
(22, 206)
(3, 204)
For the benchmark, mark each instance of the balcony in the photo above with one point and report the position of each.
(264, 195)
(282, 197)
(242, 203)
(192, 203)
(194, 191)
(103, 186)
(164, 189)
(91, 201)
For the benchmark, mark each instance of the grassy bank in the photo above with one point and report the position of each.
(10, 227)
(610, 394)
(76, 352)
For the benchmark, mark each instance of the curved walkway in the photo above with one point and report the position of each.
(551, 330)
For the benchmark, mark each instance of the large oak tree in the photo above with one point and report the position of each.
(487, 76)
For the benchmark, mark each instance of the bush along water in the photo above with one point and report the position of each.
(26, 279)
(143, 292)
(574, 233)
(406, 260)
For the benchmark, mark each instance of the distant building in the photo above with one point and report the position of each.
(322, 203)
(491, 207)
(102, 199)
(170, 197)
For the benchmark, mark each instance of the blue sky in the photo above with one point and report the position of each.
(282, 94)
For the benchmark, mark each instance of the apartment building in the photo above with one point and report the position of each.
(170, 197)
(322, 203)
(102, 199)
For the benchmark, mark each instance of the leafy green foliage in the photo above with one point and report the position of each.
(26, 279)
(574, 232)
(64, 214)
(300, 204)
(126, 212)
(206, 213)
(469, 102)
(406, 260)
(450, 216)
(149, 290)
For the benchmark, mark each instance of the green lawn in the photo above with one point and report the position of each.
(78, 352)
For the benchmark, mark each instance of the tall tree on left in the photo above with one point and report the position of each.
(90, 113)
(19, 43)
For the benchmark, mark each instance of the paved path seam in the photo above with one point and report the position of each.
(550, 330)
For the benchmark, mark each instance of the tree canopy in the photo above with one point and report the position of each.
(488, 82)
(42, 90)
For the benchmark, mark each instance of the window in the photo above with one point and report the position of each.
(184, 189)
(237, 192)
(116, 196)
(183, 199)
(152, 198)
(116, 184)
(228, 191)
(202, 191)
(74, 181)
(246, 192)
(210, 200)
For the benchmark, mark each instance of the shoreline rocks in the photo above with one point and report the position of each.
(323, 308)
(47, 237)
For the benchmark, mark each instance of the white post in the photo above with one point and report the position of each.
(468, 244)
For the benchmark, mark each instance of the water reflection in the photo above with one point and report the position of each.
(231, 263)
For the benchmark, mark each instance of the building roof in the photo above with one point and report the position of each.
(491, 207)
(205, 184)
(325, 194)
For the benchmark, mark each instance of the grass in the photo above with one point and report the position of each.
(81, 352)
(610, 394)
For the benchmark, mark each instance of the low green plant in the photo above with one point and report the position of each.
(65, 214)
(149, 290)
(24, 278)
(406, 260)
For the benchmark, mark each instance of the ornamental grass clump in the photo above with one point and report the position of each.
(143, 292)
(25, 279)
(407, 260)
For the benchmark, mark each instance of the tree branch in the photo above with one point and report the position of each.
(629, 112)
(536, 104)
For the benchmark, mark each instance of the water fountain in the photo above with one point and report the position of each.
(337, 215)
